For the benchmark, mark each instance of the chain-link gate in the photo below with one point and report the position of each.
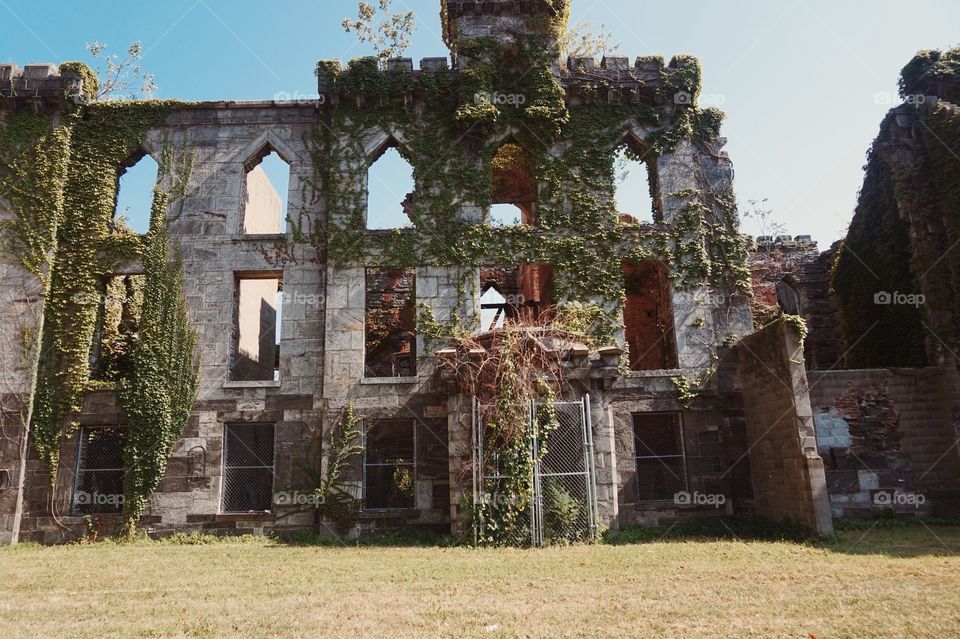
(562, 478)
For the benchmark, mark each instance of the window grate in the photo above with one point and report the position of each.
(98, 487)
(389, 465)
(248, 468)
(661, 463)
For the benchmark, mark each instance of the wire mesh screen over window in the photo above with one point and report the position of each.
(248, 468)
(99, 483)
(389, 465)
(661, 470)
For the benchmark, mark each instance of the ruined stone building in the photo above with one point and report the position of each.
(672, 407)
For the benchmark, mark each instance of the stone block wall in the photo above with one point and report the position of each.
(787, 472)
(887, 439)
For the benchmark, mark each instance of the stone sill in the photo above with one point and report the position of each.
(265, 383)
(663, 372)
(389, 380)
(413, 513)
(258, 237)
(228, 518)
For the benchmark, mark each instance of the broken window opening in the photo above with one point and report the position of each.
(513, 193)
(266, 186)
(647, 317)
(514, 294)
(256, 353)
(788, 295)
(248, 467)
(390, 190)
(390, 323)
(389, 464)
(661, 464)
(635, 180)
(98, 485)
(135, 183)
(117, 327)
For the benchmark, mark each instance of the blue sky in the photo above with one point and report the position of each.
(804, 83)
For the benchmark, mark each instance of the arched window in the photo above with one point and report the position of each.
(513, 192)
(637, 193)
(390, 190)
(135, 193)
(265, 189)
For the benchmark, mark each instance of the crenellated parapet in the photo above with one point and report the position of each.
(611, 79)
(46, 86)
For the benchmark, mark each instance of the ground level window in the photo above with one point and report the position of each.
(99, 481)
(247, 468)
(389, 464)
(658, 442)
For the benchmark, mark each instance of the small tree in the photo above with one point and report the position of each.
(583, 41)
(388, 31)
(121, 78)
(764, 217)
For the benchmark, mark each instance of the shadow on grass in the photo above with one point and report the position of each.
(884, 535)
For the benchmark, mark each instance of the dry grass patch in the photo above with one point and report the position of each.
(873, 583)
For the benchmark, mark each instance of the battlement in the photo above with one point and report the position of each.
(41, 85)
(647, 80)
(784, 244)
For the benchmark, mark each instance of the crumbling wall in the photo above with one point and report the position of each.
(886, 438)
(788, 473)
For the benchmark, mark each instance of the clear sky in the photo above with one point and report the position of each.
(804, 83)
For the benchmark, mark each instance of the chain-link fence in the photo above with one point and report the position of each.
(99, 482)
(248, 468)
(563, 490)
(389, 464)
(661, 466)
(560, 505)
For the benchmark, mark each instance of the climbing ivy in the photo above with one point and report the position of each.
(570, 147)
(162, 383)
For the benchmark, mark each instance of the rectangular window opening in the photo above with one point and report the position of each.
(389, 464)
(647, 317)
(658, 446)
(118, 321)
(98, 486)
(256, 352)
(390, 323)
(248, 468)
(514, 293)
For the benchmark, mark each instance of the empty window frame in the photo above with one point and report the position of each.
(135, 183)
(248, 468)
(118, 321)
(513, 188)
(256, 354)
(98, 486)
(514, 293)
(659, 450)
(266, 185)
(647, 317)
(390, 190)
(390, 323)
(389, 464)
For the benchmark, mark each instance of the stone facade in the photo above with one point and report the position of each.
(744, 444)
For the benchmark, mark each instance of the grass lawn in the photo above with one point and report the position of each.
(880, 582)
